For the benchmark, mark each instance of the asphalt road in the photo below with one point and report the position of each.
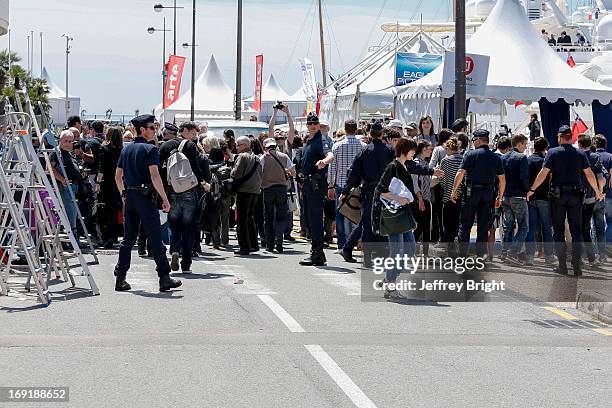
(293, 336)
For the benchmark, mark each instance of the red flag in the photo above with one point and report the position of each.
(258, 82)
(173, 79)
(518, 103)
(570, 60)
(578, 128)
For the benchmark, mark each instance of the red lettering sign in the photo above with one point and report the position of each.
(258, 82)
(173, 79)
(469, 65)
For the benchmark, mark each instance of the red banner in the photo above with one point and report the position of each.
(258, 82)
(173, 79)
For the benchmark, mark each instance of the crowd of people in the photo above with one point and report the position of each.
(260, 184)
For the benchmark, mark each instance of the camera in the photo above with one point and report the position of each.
(279, 105)
(76, 145)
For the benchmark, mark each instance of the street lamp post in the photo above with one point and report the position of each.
(238, 102)
(159, 8)
(68, 39)
(185, 46)
(193, 66)
(152, 30)
(460, 85)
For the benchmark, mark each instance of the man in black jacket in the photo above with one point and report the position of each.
(181, 218)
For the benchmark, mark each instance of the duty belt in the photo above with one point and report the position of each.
(482, 185)
(139, 187)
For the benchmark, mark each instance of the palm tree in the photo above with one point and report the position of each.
(37, 87)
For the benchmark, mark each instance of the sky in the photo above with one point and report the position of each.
(115, 63)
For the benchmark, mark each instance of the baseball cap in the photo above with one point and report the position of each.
(269, 142)
(396, 123)
(565, 129)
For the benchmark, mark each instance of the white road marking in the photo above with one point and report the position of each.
(340, 377)
(282, 314)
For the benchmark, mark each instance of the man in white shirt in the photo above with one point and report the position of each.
(344, 153)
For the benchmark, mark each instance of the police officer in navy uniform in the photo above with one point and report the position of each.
(316, 155)
(480, 166)
(137, 179)
(567, 164)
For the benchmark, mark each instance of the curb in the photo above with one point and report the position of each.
(597, 304)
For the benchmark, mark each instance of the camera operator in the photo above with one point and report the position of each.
(66, 172)
(284, 146)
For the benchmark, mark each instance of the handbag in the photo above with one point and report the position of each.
(351, 207)
(398, 221)
(291, 202)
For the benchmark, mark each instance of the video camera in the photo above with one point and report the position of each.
(279, 105)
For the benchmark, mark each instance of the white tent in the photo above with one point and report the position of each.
(522, 66)
(57, 101)
(271, 93)
(368, 88)
(213, 99)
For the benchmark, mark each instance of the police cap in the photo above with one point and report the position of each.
(142, 121)
(312, 119)
(459, 124)
(169, 127)
(376, 127)
(565, 129)
(481, 134)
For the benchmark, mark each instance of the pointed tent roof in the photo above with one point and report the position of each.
(272, 92)
(525, 68)
(297, 96)
(55, 92)
(212, 94)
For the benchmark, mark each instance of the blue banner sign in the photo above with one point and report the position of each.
(409, 66)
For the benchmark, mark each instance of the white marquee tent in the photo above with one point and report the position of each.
(272, 92)
(368, 88)
(214, 99)
(522, 67)
(57, 101)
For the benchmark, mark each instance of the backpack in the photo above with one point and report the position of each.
(180, 175)
(221, 174)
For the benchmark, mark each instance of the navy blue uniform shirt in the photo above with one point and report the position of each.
(313, 151)
(536, 161)
(596, 167)
(135, 161)
(606, 163)
(482, 166)
(566, 164)
(369, 165)
(516, 168)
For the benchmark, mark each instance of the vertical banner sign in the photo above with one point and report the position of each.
(476, 74)
(258, 82)
(410, 67)
(309, 84)
(173, 79)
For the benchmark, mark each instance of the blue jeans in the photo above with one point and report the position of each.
(515, 213)
(539, 213)
(344, 227)
(400, 244)
(599, 227)
(70, 205)
(182, 220)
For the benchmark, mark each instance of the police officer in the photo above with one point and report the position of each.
(566, 163)
(316, 155)
(481, 166)
(137, 177)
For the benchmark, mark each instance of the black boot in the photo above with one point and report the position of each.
(348, 256)
(121, 285)
(316, 258)
(278, 245)
(166, 283)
